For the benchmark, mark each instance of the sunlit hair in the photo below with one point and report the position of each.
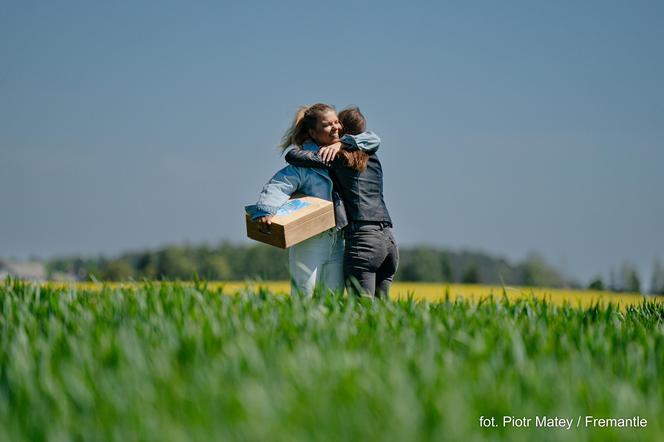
(306, 120)
(353, 123)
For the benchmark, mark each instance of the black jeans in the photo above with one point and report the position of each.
(371, 258)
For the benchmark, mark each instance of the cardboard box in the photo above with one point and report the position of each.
(299, 219)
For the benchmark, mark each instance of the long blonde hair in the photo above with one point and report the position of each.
(306, 119)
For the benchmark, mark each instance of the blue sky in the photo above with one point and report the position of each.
(507, 126)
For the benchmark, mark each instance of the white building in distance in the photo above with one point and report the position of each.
(29, 271)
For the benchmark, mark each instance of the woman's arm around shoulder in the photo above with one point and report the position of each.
(306, 158)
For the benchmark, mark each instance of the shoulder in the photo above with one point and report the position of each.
(289, 171)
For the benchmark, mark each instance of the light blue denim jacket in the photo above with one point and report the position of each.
(308, 181)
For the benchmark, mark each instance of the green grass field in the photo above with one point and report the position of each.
(171, 362)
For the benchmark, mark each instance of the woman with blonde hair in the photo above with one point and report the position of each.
(317, 260)
(371, 256)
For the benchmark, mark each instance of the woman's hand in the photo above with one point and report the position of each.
(328, 153)
(264, 223)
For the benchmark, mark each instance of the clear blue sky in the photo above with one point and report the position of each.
(507, 126)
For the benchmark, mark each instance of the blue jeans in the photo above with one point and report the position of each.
(317, 261)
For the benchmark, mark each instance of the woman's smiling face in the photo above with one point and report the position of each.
(327, 129)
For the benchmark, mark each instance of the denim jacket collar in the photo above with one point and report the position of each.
(310, 145)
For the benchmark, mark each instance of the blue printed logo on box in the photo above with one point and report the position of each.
(291, 206)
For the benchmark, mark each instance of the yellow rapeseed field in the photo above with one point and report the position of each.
(431, 292)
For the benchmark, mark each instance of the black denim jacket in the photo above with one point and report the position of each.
(361, 192)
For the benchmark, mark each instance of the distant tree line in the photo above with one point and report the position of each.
(228, 261)
(239, 262)
(439, 265)
(626, 279)
(225, 262)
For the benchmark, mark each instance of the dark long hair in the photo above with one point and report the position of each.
(354, 123)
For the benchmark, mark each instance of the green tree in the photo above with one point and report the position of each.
(215, 267)
(535, 271)
(596, 284)
(628, 279)
(657, 281)
(471, 275)
(147, 265)
(118, 270)
(263, 261)
(424, 264)
(173, 262)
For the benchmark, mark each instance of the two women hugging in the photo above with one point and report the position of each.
(333, 157)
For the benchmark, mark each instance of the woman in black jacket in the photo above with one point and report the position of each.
(371, 255)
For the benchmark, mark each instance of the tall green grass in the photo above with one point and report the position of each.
(167, 362)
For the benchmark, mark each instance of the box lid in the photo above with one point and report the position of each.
(301, 209)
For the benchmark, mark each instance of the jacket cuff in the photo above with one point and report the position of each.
(258, 210)
(349, 141)
(272, 210)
